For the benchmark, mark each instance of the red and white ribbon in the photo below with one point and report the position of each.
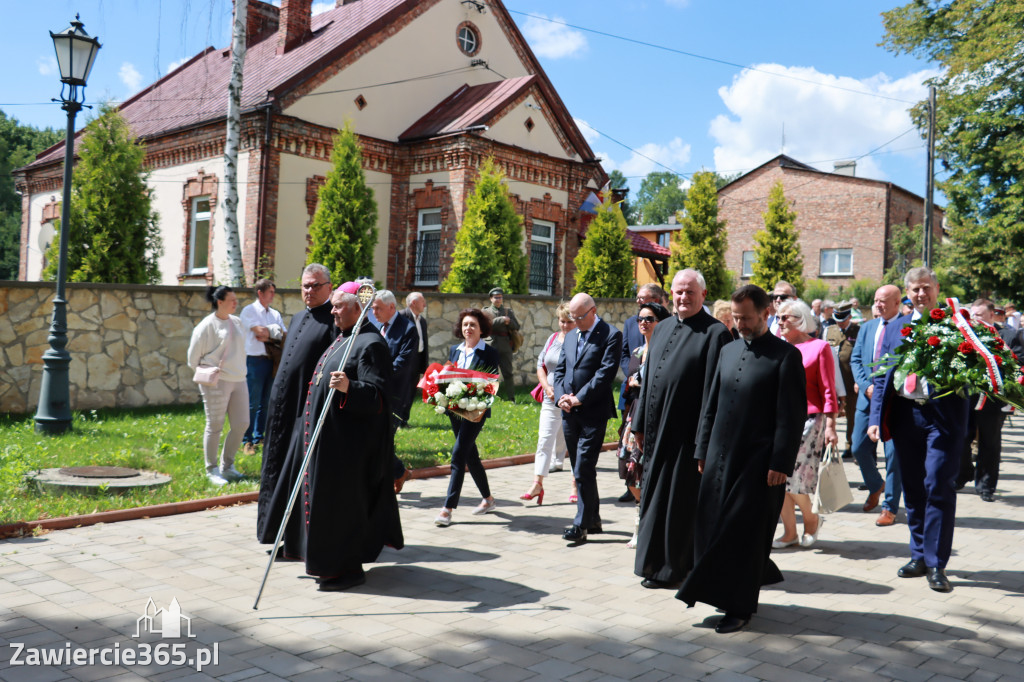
(994, 377)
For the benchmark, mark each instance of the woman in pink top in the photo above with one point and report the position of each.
(796, 320)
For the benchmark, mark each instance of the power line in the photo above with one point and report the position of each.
(715, 60)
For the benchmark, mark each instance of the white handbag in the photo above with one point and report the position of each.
(833, 491)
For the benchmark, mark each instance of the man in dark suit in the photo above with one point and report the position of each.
(583, 391)
(415, 304)
(986, 420)
(929, 434)
(400, 335)
(865, 352)
(631, 340)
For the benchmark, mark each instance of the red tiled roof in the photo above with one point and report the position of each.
(641, 246)
(197, 92)
(466, 107)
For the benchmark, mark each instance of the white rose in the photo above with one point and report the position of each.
(439, 409)
(463, 403)
(452, 390)
(440, 399)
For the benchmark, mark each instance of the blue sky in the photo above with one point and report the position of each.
(811, 69)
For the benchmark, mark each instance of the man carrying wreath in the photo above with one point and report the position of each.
(928, 434)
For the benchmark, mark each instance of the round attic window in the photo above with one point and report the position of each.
(468, 38)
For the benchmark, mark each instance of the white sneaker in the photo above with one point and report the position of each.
(214, 477)
(231, 474)
(555, 466)
(444, 518)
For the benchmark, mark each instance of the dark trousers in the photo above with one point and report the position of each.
(583, 439)
(464, 455)
(985, 425)
(929, 439)
(259, 377)
(508, 379)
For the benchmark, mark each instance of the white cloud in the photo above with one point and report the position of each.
(47, 65)
(821, 123)
(321, 7)
(553, 40)
(589, 134)
(130, 76)
(175, 64)
(647, 158)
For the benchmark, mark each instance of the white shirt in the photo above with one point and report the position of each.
(419, 333)
(466, 354)
(255, 315)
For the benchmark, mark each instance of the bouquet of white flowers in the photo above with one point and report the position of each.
(465, 393)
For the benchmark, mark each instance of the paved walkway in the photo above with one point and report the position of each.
(503, 598)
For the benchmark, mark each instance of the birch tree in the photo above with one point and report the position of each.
(229, 207)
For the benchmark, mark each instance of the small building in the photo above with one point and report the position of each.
(845, 222)
(431, 87)
(651, 247)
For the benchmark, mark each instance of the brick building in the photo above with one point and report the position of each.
(432, 88)
(844, 221)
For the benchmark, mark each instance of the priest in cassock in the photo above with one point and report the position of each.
(310, 332)
(347, 505)
(681, 360)
(746, 448)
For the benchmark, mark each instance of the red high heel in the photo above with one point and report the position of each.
(574, 498)
(529, 496)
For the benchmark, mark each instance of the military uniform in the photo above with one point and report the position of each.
(500, 341)
(843, 341)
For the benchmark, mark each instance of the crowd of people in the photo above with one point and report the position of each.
(726, 412)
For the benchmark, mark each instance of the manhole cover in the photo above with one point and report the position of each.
(100, 472)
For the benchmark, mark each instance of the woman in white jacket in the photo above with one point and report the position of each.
(219, 340)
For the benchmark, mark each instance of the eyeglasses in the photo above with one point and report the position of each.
(783, 318)
(313, 287)
(580, 318)
(780, 297)
(649, 319)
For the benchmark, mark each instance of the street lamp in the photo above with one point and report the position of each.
(76, 52)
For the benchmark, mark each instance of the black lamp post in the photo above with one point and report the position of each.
(76, 52)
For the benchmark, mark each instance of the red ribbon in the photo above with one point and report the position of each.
(994, 377)
(437, 373)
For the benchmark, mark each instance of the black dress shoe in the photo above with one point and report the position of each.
(938, 581)
(575, 534)
(987, 496)
(341, 583)
(652, 584)
(627, 496)
(914, 568)
(731, 622)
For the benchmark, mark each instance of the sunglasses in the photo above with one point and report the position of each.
(649, 319)
(783, 318)
(780, 297)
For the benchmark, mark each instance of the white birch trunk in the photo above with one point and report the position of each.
(229, 204)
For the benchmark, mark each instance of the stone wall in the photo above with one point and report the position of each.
(128, 343)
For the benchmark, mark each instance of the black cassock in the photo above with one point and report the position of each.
(680, 364)
(753, 420)
(309, 333)
(347, 505)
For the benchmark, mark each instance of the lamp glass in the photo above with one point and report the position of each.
(76, 52)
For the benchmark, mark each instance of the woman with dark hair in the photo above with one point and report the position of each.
(472, 353)
(630, 454)
(219, 341)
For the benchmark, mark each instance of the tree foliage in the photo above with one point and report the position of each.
(489, 247)
(659, 197)
(776, 250)
(343, 233)
(114, 234)
(700, 243)
(19, 144)
(979, 128)
(604, 263)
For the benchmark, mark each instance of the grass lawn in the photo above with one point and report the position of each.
(168, 439)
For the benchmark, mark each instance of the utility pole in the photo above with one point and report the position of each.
(929, 191)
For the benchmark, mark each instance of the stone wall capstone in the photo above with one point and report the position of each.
(128, 343)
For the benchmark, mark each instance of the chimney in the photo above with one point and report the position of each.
(845, 168)
(294, 24)
(261, 20)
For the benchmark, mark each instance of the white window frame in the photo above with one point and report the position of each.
(665, 239)
(463, 30)
(421, 230)
(747, 261)
(834, 256)
(196, 217)
(548, 241)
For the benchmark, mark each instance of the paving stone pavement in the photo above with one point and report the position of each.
(502, 597)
